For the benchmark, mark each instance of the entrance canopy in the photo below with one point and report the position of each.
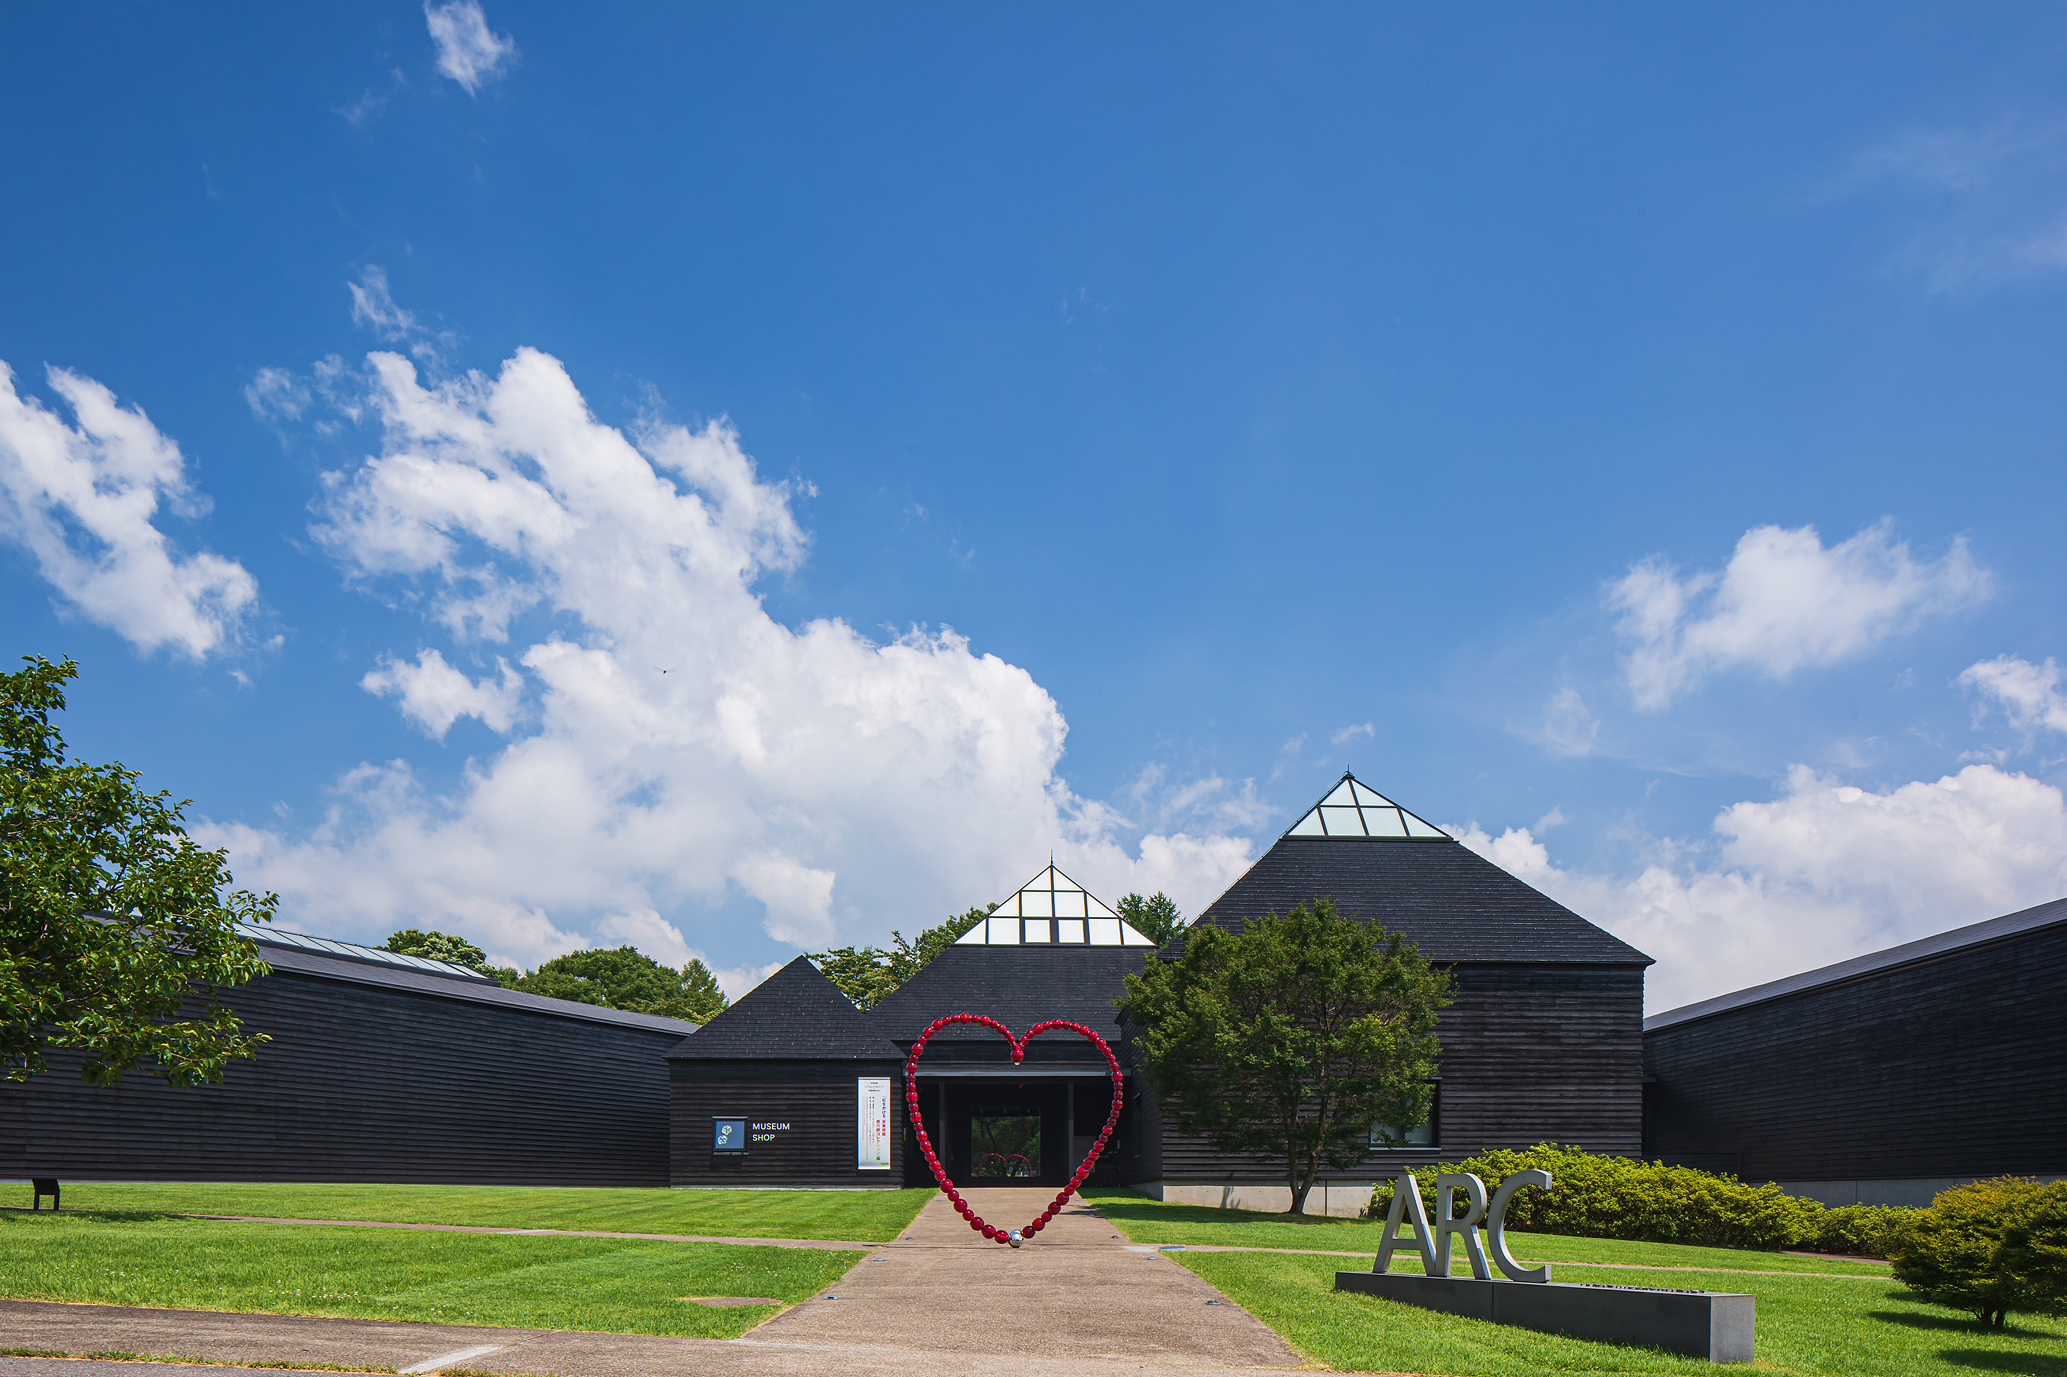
(1051, 908)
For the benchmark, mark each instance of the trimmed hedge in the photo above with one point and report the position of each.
(1594, 1196)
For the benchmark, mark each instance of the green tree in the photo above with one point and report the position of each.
(116, 931)
(627, 978)
(1156, 919)
(1290, 1039)
(443, 946)
(1990, 1248)
(867, 975)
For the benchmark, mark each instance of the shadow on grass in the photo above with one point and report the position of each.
(2035, 1364)
(1958, 1324)
(99, 1216)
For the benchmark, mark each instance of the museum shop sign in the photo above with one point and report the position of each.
(1714, 1325)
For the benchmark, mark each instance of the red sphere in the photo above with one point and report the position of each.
(990, 1231)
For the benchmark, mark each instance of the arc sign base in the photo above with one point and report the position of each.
(1716, 1325)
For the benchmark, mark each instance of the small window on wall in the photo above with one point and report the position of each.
(1426, 1134)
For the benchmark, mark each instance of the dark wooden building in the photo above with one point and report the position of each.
(1879, 1080)
(1545, 1040)
(799, 1071)
(380, 1068)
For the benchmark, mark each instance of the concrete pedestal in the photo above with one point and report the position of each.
(1716, 1325)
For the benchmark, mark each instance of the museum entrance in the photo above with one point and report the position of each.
(1010, 1131)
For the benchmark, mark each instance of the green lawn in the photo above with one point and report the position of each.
(865, 1216)
(610, 1285)
(1806, 1325)
(1151, 1221)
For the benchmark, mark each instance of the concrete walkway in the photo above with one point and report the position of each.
(1076, 1302)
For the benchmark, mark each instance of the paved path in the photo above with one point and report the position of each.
(1076, 1302)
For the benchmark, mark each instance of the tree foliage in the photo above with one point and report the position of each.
(116, 930)
(627, 978)
(867, 975)
(443, 946)
(1990, 1248)
(1290, 1039)
(1156, 919)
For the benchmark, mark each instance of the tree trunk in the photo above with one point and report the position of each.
(1302, 1180)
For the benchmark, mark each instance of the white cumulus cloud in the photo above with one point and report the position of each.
(1824, 872)
(83, 501)
(1784, 602)
(435, 695)
(468, 50)
(680, 752)
(2029, 694)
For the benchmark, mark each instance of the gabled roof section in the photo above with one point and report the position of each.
(1052, 909)
(1354, 809)
(2008, 928)
(794, 1014)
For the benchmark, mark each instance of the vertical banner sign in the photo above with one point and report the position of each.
(872, 1123)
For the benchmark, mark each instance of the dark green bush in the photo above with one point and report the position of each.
(1597, 1196)
(1990, 1248)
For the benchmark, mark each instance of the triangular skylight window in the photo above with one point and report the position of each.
(1052, 909)
(1353, 810)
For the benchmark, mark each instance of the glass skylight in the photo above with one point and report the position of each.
(1353, 810)
(1052, 908)
(280, 937)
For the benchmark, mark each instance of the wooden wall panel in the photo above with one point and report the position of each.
(816, 1099)
(1530, 1054)
(365, 1083)
(1956, 1067)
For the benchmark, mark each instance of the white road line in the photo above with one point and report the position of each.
(448, 1359)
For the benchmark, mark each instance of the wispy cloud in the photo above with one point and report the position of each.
(1784, 602)
(1342, 736)
(373, 305)
(1984, 207)
(1567, 727)
(468, 50)
(372, 101)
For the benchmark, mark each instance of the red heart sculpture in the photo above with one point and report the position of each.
(947, 1187)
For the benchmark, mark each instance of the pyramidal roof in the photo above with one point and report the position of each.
(1449, 901)
(1054, 909)
(1353, 809)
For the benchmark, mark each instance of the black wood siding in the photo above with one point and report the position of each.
(364, 1083)
(1531, 1054)
(817, 1099)
(1954, 1067)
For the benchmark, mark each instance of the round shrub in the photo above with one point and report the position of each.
(1990, 1248)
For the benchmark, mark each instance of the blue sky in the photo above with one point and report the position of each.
(1630, 436)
